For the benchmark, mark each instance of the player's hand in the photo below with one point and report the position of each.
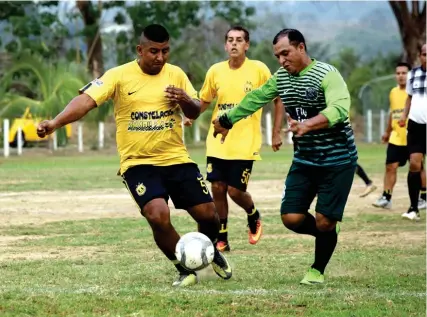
(385, 137)
(46, 127)
(297, 128)
(402, 121)
(276, 142)
(175, 94)
(218, 129)
(188, 122)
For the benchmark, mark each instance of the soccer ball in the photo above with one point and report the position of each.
(195, 251)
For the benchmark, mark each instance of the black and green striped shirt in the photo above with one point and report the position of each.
(319, 88)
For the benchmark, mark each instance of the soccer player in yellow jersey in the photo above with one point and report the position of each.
(229, 165)
(397, 150)
(150, 97)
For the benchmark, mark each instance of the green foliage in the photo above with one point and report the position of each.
(56, 85)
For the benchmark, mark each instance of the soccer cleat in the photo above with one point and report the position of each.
(223, 246)
(221, 266)
(185, 279)
(255, 231)
(369, 189)
(313, 277)
(382, 203)
(411, 215)
(422, 204)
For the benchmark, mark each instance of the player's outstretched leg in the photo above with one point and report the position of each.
(208, 222)
(389, 181)
(158, 216)
(244, 200)
(219, 194)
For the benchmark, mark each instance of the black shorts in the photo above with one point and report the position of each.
(397, 154)
(416, 137)
(331, 185)
(183, 183)
(235, 173)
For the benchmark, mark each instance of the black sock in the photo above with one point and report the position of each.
(414, 185)
(361, 173)
(423, 193)
(387, 194)
(308, 226)
(253, 213)
(180, 268)
(325, 246)
(223, 230)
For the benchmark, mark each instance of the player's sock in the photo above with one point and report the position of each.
(180, 268)
(253, 213)
(223, 231)
(308, 226)
(423, 193)
(414, 185)
(387, 194)
(325, 246)
(361, 173)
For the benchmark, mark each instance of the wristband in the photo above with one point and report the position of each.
(225, 122)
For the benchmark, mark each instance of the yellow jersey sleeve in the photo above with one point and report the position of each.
(208, 91)
(103, 88)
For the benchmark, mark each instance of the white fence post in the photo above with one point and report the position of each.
(369, 126)
(196, 129)
(6, 137)
(382, 122)
(55, 141)
(268, 128)
(80, 136)
(101, 135)
(19, 141)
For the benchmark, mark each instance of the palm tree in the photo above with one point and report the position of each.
(54, 84)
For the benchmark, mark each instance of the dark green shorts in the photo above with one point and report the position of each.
(331, 185)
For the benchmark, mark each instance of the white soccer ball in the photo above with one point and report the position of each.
(195, 251)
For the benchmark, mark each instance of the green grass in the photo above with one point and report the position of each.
(112, 267)
(79, 171)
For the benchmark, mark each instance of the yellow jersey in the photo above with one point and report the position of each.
(149, 129)
(397, 105)
(230, 86)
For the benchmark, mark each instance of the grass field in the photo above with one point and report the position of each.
(73, 244)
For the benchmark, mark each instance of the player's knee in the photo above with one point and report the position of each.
(234, 193)
(292, 221)
(415, 164)
(219, 189)
(391, 168)
(324, 224)
(157, 216)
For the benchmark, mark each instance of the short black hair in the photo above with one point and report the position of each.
(295, 37)
(155, 33)
(238, 28)
(403, 64)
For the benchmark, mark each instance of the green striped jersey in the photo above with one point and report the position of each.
(319, 88)
(304, 98)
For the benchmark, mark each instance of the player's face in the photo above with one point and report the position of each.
(153, 56)
(423, 56)
(290, 57)
(401, 74)
(236, 45)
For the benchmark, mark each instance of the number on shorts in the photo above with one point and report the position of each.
(245, 176)
(202, 183)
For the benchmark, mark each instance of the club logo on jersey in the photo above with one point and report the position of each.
(141, 189)
(311, 93)
(209, 168)
(247, 87)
